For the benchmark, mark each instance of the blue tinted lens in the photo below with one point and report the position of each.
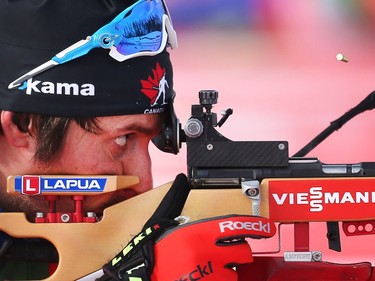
(141, 28)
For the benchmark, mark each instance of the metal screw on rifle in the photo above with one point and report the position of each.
(39, 215)
(317, 256)
(91, 215)
(65, 218)
(281, 146)
(252, 192)
(210, 146)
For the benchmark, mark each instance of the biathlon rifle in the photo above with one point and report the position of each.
(284, 188)
(226, 177)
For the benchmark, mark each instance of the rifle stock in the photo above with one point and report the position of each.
(85, 247)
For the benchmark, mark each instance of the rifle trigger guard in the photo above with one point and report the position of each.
(252, 191)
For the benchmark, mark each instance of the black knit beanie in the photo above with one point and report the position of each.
(33, 31)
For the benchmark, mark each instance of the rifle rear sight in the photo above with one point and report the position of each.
(194, 127)
(209, 151)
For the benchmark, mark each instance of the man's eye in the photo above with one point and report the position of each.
(121, 141)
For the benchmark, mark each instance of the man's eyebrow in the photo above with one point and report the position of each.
(147, 130)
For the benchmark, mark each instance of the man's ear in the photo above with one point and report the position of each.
(12, 133)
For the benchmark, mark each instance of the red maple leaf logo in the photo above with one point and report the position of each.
(151, 85)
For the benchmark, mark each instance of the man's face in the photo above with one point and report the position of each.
(119, 148)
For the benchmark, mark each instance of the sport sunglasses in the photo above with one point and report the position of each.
(143, 29)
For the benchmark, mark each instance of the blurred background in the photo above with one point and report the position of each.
(274, 62)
